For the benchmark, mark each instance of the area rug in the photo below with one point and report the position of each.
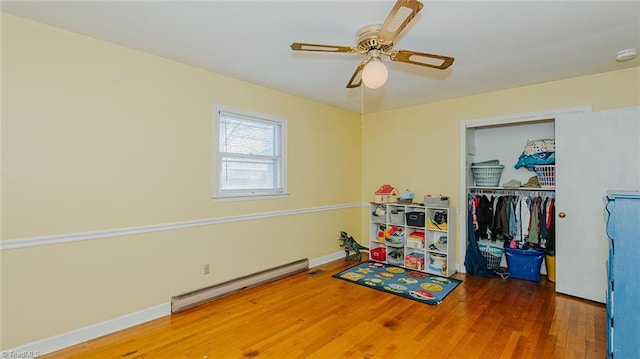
(407, 283)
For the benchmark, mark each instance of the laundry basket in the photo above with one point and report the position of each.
(487, 176)
(493, 255)
(546, 175)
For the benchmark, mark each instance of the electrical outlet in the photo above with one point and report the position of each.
(205, 269)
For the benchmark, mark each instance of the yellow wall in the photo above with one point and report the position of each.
(418, 147)
(101, 137)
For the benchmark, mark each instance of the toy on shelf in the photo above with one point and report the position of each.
(386, 194)
(407, 197)
(438, 221)
(394, 236)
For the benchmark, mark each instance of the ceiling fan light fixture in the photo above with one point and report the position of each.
(374, 74)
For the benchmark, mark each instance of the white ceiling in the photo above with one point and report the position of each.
(496, 44)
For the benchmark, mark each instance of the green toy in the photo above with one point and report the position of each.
(350, 245)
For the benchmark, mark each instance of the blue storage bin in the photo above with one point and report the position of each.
(524, 264)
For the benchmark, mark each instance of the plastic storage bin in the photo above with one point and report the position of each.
(415, 219)
(379, 254)
(438, 263)
(524, 264)
(550, 262)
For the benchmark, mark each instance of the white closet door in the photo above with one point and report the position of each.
(595, 152)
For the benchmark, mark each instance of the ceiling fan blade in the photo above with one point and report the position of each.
(419, 58)
(401, 14)
(300, 46)
(356, 78)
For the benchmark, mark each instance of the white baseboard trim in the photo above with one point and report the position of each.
(65, 340)
(326, 259)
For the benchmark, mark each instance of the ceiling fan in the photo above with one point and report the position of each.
(376, 41)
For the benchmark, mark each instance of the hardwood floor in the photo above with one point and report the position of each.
(317, 316)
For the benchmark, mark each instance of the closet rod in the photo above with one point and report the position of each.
(513, 192)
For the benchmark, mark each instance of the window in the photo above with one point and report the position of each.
(250, 156)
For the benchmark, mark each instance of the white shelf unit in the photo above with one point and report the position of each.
(405, 235)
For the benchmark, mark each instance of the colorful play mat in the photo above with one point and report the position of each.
(418, 286)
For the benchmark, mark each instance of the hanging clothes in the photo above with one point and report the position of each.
(496, 223)
(481, 215)
(474, 201)
(534, 227)
(521, 218)
(525, 217)
(550, 226)
(484, 212)
(513, 218)
(504, 217)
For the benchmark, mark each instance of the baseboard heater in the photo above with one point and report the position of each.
(200, 296)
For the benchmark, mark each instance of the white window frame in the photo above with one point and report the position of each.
(280, 158)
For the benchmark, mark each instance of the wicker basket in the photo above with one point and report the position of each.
(546, 175)
(492, 254)
(487, 176)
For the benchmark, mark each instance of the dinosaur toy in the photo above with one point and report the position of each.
(350, 245)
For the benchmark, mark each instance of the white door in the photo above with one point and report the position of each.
(595, 152)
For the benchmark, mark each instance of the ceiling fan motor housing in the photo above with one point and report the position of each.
(367, 40)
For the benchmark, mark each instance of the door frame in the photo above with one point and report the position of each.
(465, 172)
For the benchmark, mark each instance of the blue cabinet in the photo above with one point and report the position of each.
(623, 270)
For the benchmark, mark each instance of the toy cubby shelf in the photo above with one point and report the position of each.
(412, 236)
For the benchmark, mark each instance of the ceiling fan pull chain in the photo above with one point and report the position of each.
(361, 106)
